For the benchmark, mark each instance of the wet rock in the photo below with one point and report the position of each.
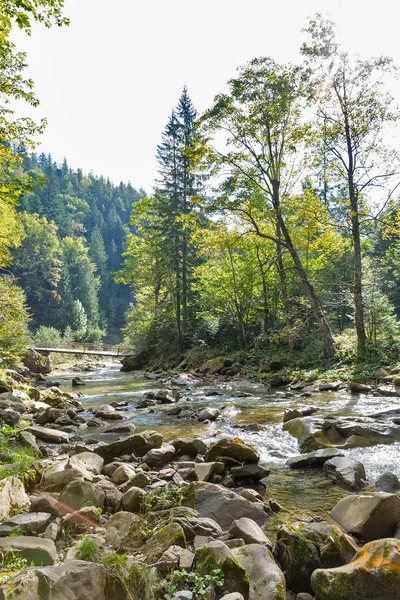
(75, 579)
(372, 574)
(82, 493)
(233, 449)
(77, 381)
(359, 388)
(13, 498)
(303, 547)
(368, 517)
(189, 446)
(267, 581)
(314, 459)
(159, 457)
(25, 523)
(38, 551)
(346, 472)
(135, 363)
(138, 443)
(53, 436)
(251, 472)
(388, 482)
(208, 414)
(222, 505)
(329, 386)
(249, 531)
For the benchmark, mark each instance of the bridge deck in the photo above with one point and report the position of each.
(89, 352)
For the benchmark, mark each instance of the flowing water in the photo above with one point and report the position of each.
(301, 493)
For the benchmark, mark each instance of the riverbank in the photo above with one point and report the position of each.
(135, 426)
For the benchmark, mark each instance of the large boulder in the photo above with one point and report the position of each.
(78, 494)
(73, 579)
(37, 363)
(158, 457)
(234, 449)
(222, 505)
(53, 436)
(189, 446)
(215, 365)
(346, 472)
(138, 443)
(25, 523)
(135, 363)
(13, 498)
(267, 581)
(303, 547)
(87, 461)
(39, 551)
(217, 555)
(368, 517)
(373, 574)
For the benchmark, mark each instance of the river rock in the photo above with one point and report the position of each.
(215, 365)
(158, 457)
(300, 428)
(249, 531)
(373, 574)
(38, 551)
(368, 517)
(217, 555)
(359, 388)
(346, 472)
(107, 413)
(267, 581)
(36, 362)
(388, 482)
(222, 505)
(206, 469)
(208, 414)
(122, 474)
(194, 526)
(135, 363)
(10, 400)
(75, 579)
(10, 416)
(171, 534)
(314, 459)
(25, 523)
(78, 494)
(303, 547)
(251, 472)
(236, 450)
(112, 496)
(121, 522)
(13, 498)
(53, 436)
(189, 446)
(138, 443)
(56, 480)
(87, 461)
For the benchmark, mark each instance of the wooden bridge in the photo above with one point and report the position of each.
(80, 348)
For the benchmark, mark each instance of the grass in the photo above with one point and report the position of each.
(15, 459)
(139, 581)
(90, 549)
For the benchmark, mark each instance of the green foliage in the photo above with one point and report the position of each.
(138, 581)
(169, 496)
(11, 562)
(198, 583)
(47, 334)
(14, 320)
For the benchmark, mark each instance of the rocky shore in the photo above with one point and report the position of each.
(142, 518)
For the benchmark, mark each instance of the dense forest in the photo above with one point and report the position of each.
(272, 228)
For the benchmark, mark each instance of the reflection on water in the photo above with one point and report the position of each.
(300, 492)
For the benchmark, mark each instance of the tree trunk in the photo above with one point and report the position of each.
(285, 299)
(326, 335)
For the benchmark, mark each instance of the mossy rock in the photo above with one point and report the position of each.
(214, 365)
(216, 555)
(373, 574)
(171, 534)
(303, 547)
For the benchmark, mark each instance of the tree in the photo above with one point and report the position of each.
(353, 112)
(37, 266)
(263, 124)
(14, 318)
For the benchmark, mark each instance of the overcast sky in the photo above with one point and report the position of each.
(108, 82)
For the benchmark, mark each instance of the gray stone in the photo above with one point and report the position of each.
(13, 498)
(79, 494)
(52, 531)
(368, 517)
(122, 474)
(132, 499)
(122, 522)
(10, 416)
(249, 531)
(53, 436)
(233, 596)
(313, 459)
(39, 551)
(253, 472)
(388, 482)
(208, 414)
(346, 472)
(29, 440)
(158, 457)
(206, 469)
(26, 523)
(190, 446)
(224, 506)
(267, 581)
(183, 595)
(71, 580)
(186, 560)
(87, 461)
(56, 481)
(227, 448)
(138, 443)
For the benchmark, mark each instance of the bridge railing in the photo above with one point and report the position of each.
(118, 349)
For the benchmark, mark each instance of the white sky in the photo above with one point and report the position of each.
(108, 82)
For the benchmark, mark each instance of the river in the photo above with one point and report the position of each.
(301, 493)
